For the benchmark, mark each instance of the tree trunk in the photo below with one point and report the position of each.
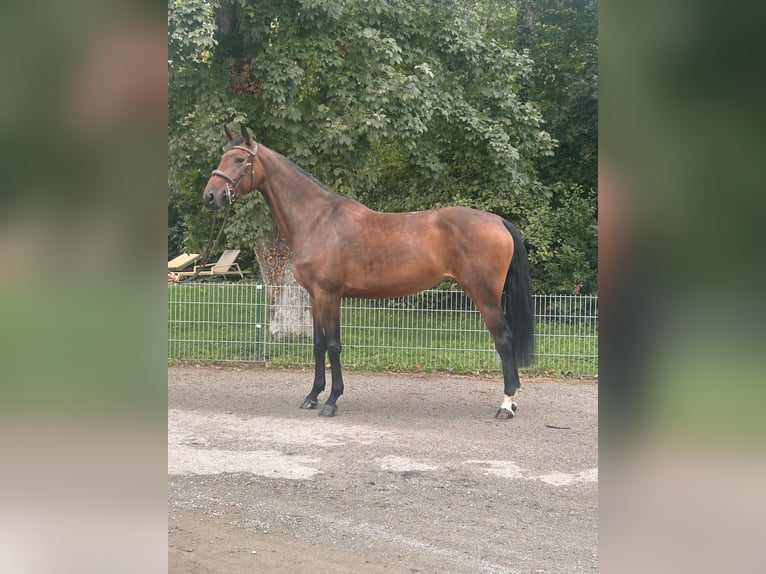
(289, 308)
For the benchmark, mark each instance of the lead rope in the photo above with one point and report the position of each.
(211, 245)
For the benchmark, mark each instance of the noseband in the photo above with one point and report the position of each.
(235, 182)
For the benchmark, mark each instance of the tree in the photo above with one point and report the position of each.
(561, 37)
(403, 105)
(563, 42)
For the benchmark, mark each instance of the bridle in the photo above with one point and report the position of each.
(231, 187)
(235, 182)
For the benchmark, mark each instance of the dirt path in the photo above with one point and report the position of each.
(413, 475)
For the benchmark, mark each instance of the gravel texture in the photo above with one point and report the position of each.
(413, 475)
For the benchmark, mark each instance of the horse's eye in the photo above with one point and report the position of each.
(239, 159)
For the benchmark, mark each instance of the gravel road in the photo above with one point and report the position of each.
(413, 475)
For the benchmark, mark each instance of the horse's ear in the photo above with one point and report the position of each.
(227, 133)
(245, 135)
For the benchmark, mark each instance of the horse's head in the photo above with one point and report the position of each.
(238, 172)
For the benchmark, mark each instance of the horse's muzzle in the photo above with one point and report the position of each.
(209, 199)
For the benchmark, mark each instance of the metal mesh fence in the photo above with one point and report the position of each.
(434, 330)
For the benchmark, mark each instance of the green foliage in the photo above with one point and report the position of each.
(565, 50)
(190, 32)
(562, 238)
(403, 105)
(561, 38)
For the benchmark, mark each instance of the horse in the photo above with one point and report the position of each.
(341, 248)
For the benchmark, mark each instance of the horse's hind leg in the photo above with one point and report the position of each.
(511, 383)
(498, 327)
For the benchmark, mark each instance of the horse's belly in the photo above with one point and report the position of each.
(393, 284)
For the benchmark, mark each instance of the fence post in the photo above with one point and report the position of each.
(260, 313)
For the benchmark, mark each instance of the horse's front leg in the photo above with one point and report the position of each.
(320, 348)
(333, 351)
(329, 310)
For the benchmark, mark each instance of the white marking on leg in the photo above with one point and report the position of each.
(508, 402)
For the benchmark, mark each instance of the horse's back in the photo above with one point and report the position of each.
(470, 222)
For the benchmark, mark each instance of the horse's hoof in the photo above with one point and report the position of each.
(504, 414)
(328, 411)
(309, 404)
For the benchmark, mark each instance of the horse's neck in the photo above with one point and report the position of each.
(296, 201)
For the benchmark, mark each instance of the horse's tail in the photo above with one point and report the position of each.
(519, 305)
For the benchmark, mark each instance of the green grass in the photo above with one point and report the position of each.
(229, 323)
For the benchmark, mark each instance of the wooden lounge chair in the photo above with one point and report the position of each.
(181, 262)
(226, 265)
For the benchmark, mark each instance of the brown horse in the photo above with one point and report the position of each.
(343, 249)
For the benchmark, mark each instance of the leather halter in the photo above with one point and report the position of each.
(231, 191)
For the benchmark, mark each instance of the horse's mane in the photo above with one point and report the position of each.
(239, 140)
(302, 171)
